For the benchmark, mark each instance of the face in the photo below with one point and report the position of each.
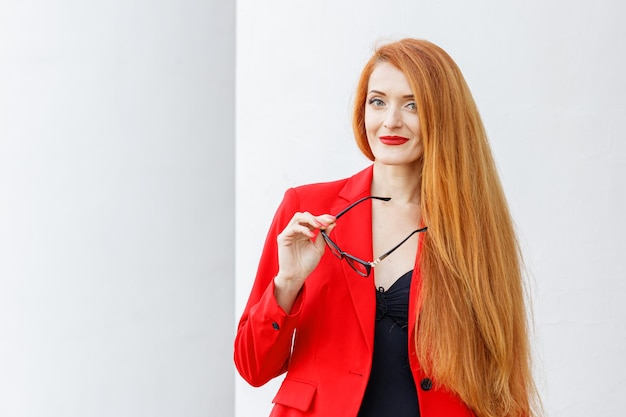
(391, 121)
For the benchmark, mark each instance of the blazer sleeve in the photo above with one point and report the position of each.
(264, 335)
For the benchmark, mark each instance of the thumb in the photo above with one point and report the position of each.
(320, 243)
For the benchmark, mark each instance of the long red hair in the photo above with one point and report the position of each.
(472, 334)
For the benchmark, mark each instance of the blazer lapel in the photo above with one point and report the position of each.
(353, 234)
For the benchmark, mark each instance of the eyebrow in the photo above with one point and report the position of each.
(383, 94)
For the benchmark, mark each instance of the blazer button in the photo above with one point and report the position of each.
(426, 384)
(275, 325)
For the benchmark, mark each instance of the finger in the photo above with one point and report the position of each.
(320, 242)
(296, 230)
(324, 221)
(330, 227)
(304, 218)
(303, 230)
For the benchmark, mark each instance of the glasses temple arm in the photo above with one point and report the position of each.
(344, 211)
(383, 256)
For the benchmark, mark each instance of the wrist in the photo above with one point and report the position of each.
(286, 291)
(287, 283)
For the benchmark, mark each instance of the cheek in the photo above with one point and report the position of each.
(371, 122)
(413, 123)
(367, 120)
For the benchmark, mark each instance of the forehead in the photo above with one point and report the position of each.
(388, 78)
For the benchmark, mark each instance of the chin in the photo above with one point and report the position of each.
(398, 162)
(397, 158)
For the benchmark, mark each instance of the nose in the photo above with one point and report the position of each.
(393, 118)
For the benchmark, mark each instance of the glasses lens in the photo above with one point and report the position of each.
(360, 268)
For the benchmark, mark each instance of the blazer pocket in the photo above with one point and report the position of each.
(295, 393)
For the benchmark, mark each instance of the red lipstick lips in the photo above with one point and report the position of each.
(393, 140)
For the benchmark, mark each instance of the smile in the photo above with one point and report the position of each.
(393, 140)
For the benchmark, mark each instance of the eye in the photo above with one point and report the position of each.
(376, 102)
(412, 106)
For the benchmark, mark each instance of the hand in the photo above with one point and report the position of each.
(299, 249)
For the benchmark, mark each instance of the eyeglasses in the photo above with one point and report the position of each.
(362, 267)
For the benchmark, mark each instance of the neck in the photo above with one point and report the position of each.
(400, 182)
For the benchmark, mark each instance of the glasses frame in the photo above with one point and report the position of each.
(351, 259)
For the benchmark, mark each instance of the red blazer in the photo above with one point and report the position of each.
(329, 363)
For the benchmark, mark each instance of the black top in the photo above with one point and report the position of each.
(391, 389)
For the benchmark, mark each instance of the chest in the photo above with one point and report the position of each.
(390, 226)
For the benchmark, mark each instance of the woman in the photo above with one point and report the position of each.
(435, 326)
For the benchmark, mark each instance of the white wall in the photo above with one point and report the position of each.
(549, 81)
(116, 182)
(116, 208)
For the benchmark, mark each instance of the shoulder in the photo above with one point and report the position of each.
(330, 188)
(322, 195)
